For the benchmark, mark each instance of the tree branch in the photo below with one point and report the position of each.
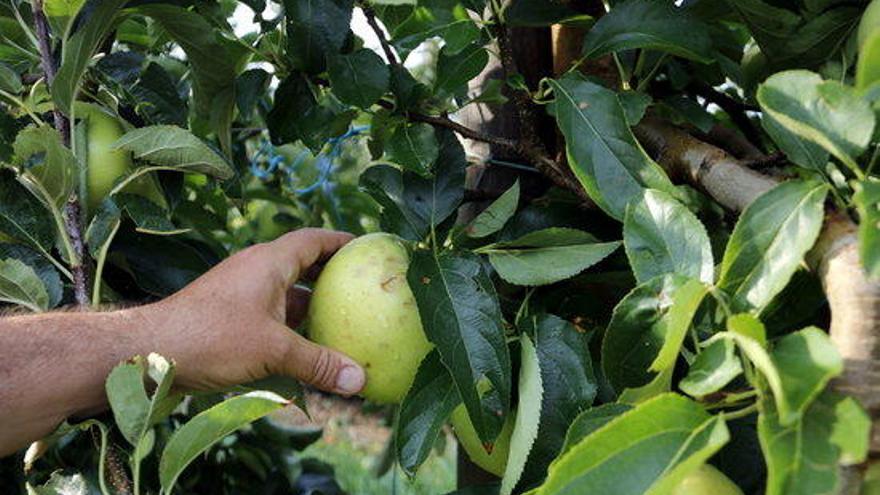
(853, 297)
(72, 221)
(370, 14)
(529, 146)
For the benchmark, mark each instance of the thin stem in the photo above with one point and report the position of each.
(17, 101)
(99, 270)
(741, 413)
(643, 83)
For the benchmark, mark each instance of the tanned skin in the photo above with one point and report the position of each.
(231, 326)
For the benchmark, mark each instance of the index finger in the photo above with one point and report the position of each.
(301, 249)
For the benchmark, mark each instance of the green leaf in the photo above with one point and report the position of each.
(662, 236)
(868, 66)
(134, 412)
(412, 204)
(794, 371)
(316, 30)
(528, 414)
(250, 88)
(547, 256)
(827, 113)
(175, 148)
(103, 227)
(769, 242)
(62, 8)
(647, 329)
(852, 430)
(749, 326)
(448, 19)
(297, 115)
(647, 450)
(42, 266)
(20, 285)
(602, 151)
(715, 367)
(360, 78)
(47, 167)
(493, 218)
(128, 399)
(653, 25)
(209, 427)
(568, 382)
(23, 217)
(802, 457)
(429, 401)
(806, 360)
(148, 217)
(414, 147)
(461, 316)
(589, 421)
(10, 80)
(799, 150)
(77, 52)
(867, 201)
(214, 59)
(455, 71)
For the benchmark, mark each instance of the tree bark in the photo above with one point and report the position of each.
(854, 298)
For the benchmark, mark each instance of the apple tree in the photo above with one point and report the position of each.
(643, 235)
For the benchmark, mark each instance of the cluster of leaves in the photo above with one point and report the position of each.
(696, 340)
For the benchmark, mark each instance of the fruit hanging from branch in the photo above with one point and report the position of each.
(362, 305)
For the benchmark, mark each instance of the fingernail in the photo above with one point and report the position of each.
(350, 380)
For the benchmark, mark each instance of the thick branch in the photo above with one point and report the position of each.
(72, 220)
(854, 299)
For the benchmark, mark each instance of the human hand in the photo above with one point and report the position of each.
(234, 324)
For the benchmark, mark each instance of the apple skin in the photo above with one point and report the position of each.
(707, 480)
(495, 462)
(106, 164)
(362, 306)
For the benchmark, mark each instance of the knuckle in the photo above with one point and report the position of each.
(323, 372)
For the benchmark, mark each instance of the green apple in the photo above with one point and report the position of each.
(106, 164)
(707, 480)
(362, 305)
(869, 23)
(494, 462)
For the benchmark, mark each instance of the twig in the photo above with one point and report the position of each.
(370, 14)
(446, 122)
(529, 145)
(72, 222)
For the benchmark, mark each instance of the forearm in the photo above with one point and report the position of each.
(54, 367)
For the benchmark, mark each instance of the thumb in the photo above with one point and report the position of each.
(322, 367)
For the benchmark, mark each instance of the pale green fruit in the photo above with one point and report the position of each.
(495, 462)
(362, 306)
(707, 480)
(106, 164)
